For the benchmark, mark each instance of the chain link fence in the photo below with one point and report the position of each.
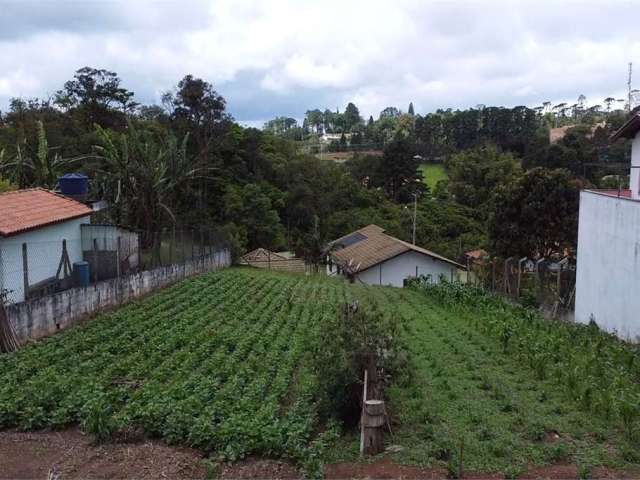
(35, 268)
(547, 283)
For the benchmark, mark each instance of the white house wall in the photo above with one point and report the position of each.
(395, 270)
(608, 269)
(634, 180)
(44, 250)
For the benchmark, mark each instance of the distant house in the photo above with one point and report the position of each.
(33, 225)
(608, 266)
(334, 137)
(371, 256)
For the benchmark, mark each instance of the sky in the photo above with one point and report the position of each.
(283, 57)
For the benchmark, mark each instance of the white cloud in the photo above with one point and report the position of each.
(285, 56)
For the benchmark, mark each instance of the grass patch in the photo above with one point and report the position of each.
(432, 173)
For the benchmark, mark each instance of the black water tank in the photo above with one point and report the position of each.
(74, 185)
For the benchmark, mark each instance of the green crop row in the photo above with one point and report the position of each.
(235, 363)
(600, 373)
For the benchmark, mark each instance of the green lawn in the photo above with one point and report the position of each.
(432, 173)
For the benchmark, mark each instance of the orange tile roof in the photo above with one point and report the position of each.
(376, 247)
(23, 210)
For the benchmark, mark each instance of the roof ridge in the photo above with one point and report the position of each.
(20, 190)
(420, 249)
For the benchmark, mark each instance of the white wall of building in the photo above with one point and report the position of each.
(608, 269)
(410, 264)
(634, 181)
(44, 250)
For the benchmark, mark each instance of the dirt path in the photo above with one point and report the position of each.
(70, 454)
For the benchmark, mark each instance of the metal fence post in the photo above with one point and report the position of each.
(95, 260)
(25, 270)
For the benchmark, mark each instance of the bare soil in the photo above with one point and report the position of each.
(385, 468)
(258, 469)
(69, 454)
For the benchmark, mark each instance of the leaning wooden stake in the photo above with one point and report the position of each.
(364, 399)
(8, 339)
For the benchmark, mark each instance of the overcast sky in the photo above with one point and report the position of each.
(282, 57)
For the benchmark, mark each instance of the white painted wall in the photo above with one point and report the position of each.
(395, 270)
(634, 182)
(608, 269)
(44, 249)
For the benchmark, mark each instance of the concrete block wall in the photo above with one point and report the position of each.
(41, 317)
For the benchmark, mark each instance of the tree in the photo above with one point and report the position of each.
(537, 215)
(608, 102)
(145, 169)
(42, 168)
(410, 111)
(96, 94)
(351, 117)
(198, 110)
(315, 120)
(390, 112)
(6, 186)
(342, 145)
(399, 169)
(253, 208)
(475, 174)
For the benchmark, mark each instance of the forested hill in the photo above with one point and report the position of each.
(187, 164)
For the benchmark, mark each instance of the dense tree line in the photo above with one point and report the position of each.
(187, 164)
(490, 152)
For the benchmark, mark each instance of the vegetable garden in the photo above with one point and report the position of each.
(496, 388)
(232, 362)
(245, 362)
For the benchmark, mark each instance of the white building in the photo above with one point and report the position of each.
(33, 224)
(608, 268)
(371, 256)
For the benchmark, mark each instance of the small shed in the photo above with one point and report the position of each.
(283, 261)
(40, 238)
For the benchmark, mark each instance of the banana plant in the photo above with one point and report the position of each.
(41, 169)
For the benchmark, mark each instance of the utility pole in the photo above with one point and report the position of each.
(415, 211)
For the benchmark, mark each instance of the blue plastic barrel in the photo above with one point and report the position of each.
(81, 274)
(73, 184)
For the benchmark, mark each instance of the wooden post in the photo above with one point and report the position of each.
(65, 264)
(118, 256)
(25, 271)
(374, 422)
